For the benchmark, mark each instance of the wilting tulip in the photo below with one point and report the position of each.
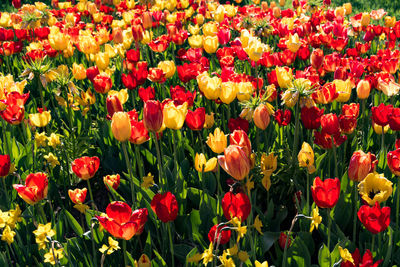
(261, 117)
(121, 222)
(85, 167)
(217, 141)
(202, 165)
(5, 165)
(35, 188)
(375, 188)
(306, 157)
(330, 123)
(375, 219)
(165, 206)
(361, 164)
(174, 117)
(393, 158)
(325, 193)
(217, 235)
(121, 126)
(112, 181)
(152, 115)
(235, 162)
(77, 195)
(236, 205)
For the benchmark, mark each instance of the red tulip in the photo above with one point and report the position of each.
(139, 133)
(366, 261)
(113, 105)
(152, 115)
(147, 93)
(236, 205)
(165, 206)
(394, 119)
(220, 236)
(283, 117)
(317, 58)
(361, 164)
(85, 167)
(311, 117)
(282, 240)
(325, 193)
(381, 114)
(235, 162)
(112, 181)
(238, 124)
(348, 123)
(352, 109)
(156, 75)
(13, 114)
(102, 84)
(35, 188)
(324, 140)
(240, 138)
(133, 55)
(375, 219)
(179, 95)
(330, 123)
(195, 119)
(77, 195)
(121, 222)
(4, 165)
(92, 72)
(393, 158)
(16, 3)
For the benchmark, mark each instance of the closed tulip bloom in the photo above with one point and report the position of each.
(325, 193)
(306, 157)
(330, 123)
(121, 222)
(381, 114)
(240, 138)
(361, 164)
(209, 121)
(317, 58)
(393, 158)
(228, 92)
(77, 195)
(217, 235)
(217, 141)
(102, 60)
(343, 88)
(284, 76)
(195, 119)
(35, 188)
(363, 89)
(236, 205)
(261, 117)
(58, 40)
(113, 105)
(78, 71)
(102, 84)
(165, 206)
(174, 117)
(244, 91)
(211, 88)
(40, 119)
(375, 188)
(235, 162)
(210, 44)
(144, 261)
(202, 165)
(121, 126)
(168, 67)
(112, 181)
(152, 115)
(375, 219)
(85, 167)
(365, 19)
(394, 119)
(5, 165)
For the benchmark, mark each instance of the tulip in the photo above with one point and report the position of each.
(139, 133)
(393, 158)
(174, 117)
(343, 88)
(366, 260)
(306, 157)
(330, 123)
(35, 188)
(228, 92)
(210, 44)
(284, 76)
(238, 124)
(77, 195)
(348, 7)
(240, 138)
(375, 219)
(113, 105)
(152, 115)
(195, 41)
(121, 126)
(85, 167)
(121, 222)
(365, 19)
(293, 44)
(102, 84)
(58, 40)
(236, 205)
(317, 58)
(375, 188)
(261, 117)
(13, 114)
(283, 118)
(202, 165)
(255, 49)
(165, 206)
(217, 141)
(144, 261)
(218, 236)
(394, 119)
(381, 114)
(112, 181)
(168, 67)
(78, 71)
(235, 162)
(195, 119)
(325, 193)
(209, 121)
(210, 28)
(311, 117)
(361, 164)
(363, 89)
(244, 91)
(40, 119)
(348, 123)
(5, 165)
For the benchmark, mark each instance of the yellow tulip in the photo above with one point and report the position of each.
(365, 19)
(194, 29)
(196, 41)
(219, 14)
(217, 141)
(209, 121)
(228, 92)
(122, 95)
(121, 126)
(58, 41)
(199, 19)
(390, 21)
(306, 157)
(102, 60)
(168, 67)
(210, 29)
(211, 87)
(202, 165)
(40, 119)
(375, 188)
(245, 36)
(255, 48)
(210, 44)
(174, 117)
(343, 88)
(293, 44)
(284, 77)
(230, 10)
(244, 91)
(348, 8)
(378, 129)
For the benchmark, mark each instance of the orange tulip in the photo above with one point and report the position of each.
(35, 188)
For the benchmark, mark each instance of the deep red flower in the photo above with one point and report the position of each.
(188, 72)
(102, 84)
(317, 58)
(393, 158)
(35, 188)
(92, 72)
(129, 80)
(366, 261)
(324, 140)
(224, 35)
(283, 118)
(165, 206)
(113, 105)
(5, 164)
(195, 119)
(133, 55)
(330, 123)
(216, 234)
(16, 3)
(311, 117)
(139, 133)
(394, 119)
(121, 222)
(236, 205)
(152, 115)
(85, 167)
(325, 193)
(179, 95)
(282, 240)
(375, 219)
(381, 114)
(238, 124)
(147, 93)
(240, 138)
(348, 123)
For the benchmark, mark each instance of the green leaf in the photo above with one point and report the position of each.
(73, 223)
(323, 256)
(268, 240)
(160, 259)
(181, 250)
(298, 254)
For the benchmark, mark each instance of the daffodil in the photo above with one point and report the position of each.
(269, 163)
(258, 224)
(208, 255)
(8, 235)
(345, 255)
(148, 181)
(54, 140)
(375, 188)
(52, 160)
(112, 246)
(316, 219)
(243, 256)
(54, 256)
(259, 264)
(41, 233)
(226, 262)
(203, 165)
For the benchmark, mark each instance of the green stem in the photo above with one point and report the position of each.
(329, 228)
(355, 211)
(129, 167)
(93, 245)
(397, 203)
(160, 168)
(40, 88)
(5, 139)
(5, 191)
(219, 192)
(287, 241)
(124, 252)
(296, 133)
(91, 195)
(373, 243)
(139, 162)
(335, 157)
(171, 244)
(308, 192)
(382, 156)
(41, 212)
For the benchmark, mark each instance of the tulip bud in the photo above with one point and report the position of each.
(261, 117)
(112, 181)
(5, 165)
(147, 20)
(276, 11)
(152, 115)
(118, 37)
(121, 126)
(348, 7)
(78, 71)
(272, 4)
(360, 165)
(144, 261)
(317, 58)
(264, 5)
(113, 105)
(363, 89)
(282, 2)
(365, 19)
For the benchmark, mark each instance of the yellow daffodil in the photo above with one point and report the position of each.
(40, 119)
(249, 185)
(241, 230)
(243, 256)
(306, 157)
(208, 255)
(52, 160)
(375, 188)
(14, 216)
(232, 251)
(202, 165)
(112, 246)
(41, 233)
(8, 235)
(259, 264)
(174, 117)
(40, 139)
(316, 219)
(49, 256)
(269, 163)
(195, 258)
(258, 224)
(225, 261)
(217, 141)
(345, 255)
(54, 140)
(148, 181)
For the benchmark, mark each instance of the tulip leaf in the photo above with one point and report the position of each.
(298, 254)
(268, 240)
(181, 250)
(73, 223)
(159, 259)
